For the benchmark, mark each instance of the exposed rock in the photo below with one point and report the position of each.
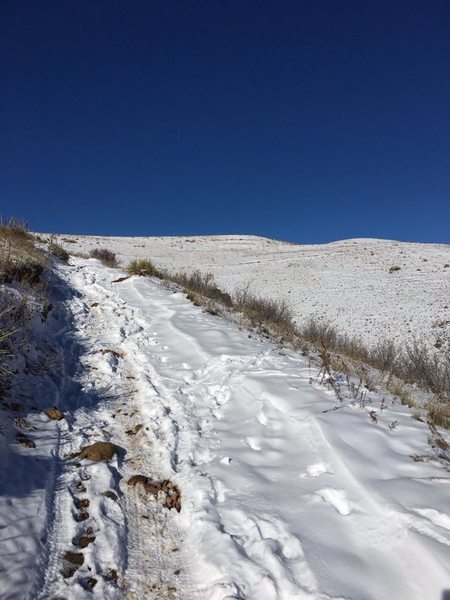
(99, 451)
(165, 490)
(75, 558)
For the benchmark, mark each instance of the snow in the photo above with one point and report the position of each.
(282, 497)
(347, 283)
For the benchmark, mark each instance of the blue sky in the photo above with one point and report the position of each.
(305, 121)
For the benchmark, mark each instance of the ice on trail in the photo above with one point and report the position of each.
(279, 499)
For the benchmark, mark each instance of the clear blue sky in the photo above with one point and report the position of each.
(301, 120)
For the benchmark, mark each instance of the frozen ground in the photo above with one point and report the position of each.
(347, 283)
(282, 497)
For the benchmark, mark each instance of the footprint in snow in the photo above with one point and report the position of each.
(338, 500)
(253, 443)
(436, 517)
(317, 470)
(262, 418)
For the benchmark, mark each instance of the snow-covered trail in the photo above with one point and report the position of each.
(279, 499)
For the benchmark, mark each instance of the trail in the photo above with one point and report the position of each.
(279, 500)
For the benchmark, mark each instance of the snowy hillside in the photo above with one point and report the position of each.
(152, 450)
(353, 283)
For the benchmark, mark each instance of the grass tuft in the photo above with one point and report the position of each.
(58, 251)
(104, 255)
(142, 267)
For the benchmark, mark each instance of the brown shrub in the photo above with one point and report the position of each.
(142, 267)
(58, 251)
(105, 256)
(199, 283)
(264, 310)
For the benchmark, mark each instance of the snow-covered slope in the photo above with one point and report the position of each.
(347, 283)
(282, 497)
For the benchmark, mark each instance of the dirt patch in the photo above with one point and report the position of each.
(110, 495)
(81, 516)
(69, 571)
(54, 414)
(90, 582)
(99, 451)
(73, 560)
(84, 541)
(25, 441)
(111, 575)
(81, 503)
(165, 491)
(135, 430)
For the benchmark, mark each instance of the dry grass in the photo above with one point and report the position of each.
(200, 286)
(18, 253)
(142, 267)
(107, 257)
(58, 251)
(439, 413)
(276, 314)
(414, 364)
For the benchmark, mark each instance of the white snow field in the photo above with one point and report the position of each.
(348, 282)
(282, 497)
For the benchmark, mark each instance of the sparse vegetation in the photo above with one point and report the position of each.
(58, 251)
(260, 310)
(19, 258)
(142, 267)
(394, 269)
(415, 364)
(107, 257)
(200, 285)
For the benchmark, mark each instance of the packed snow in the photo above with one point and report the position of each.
(285, 492)
(369, 288)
